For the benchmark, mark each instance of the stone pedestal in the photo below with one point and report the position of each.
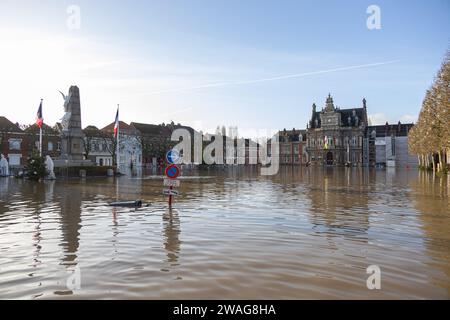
(64, 163)
(72, 136)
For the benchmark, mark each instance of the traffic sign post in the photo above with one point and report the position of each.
(172, 173)
(173, 156)
(171, 192)
(171, 183)
(170, 198)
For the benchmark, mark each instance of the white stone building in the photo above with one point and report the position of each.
(130, 146)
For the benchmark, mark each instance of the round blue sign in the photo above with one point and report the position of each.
(172, 171)
(173, 156)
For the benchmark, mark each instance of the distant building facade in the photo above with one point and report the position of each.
(51, 140)
(156, 140)
(17, 144)
(293, 147)
(13, 143)
(387, 145)
(130, 147)
(335, 136)
(98, 146)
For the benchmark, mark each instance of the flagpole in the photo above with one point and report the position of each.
(40, 137)
(117, 141)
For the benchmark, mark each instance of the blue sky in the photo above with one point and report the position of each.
(195, 62)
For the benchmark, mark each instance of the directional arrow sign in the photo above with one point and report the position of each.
(173, 156)
(171, 192)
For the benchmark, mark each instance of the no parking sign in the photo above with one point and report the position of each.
(172, 171)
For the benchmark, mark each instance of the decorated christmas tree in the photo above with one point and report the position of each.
(35, 167)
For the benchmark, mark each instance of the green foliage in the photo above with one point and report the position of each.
(35, 167)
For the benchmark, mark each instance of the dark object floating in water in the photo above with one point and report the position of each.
(135, 204)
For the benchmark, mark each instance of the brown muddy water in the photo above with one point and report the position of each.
(304, 233)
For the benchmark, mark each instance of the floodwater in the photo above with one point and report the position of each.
(304, 233)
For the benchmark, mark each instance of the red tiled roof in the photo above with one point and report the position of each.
(8, 126)
(45, 128)
(123, 127)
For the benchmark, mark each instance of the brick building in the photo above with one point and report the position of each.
(292, 147)
(13, 143)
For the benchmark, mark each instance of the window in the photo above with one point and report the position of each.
(14, 159)
(14, 144)
(296, 148)
(50, 146)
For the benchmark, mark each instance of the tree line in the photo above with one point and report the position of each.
(429, 139)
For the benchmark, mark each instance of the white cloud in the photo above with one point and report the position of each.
(377, 118)
(35, 65)
(381, 118)
(408, 118)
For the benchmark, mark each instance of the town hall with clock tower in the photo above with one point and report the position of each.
(335, 136)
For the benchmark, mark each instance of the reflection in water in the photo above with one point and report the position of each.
(171, 225)
(304, 233)
(434, 217)
(115, 229)
(70, 205)
(339, 203)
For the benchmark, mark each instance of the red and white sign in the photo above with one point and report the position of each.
(171, 183)
(172, 171)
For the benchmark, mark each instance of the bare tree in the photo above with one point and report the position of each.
(430, 138)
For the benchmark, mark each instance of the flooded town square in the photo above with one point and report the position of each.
(307, 232)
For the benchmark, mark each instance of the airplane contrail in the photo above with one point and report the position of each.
(289, 76)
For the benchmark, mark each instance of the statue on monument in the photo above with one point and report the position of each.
(49, 165)
(4, 166)
(65, 120)
(72, 137)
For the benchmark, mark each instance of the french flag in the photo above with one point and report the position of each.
(116, 124)
(39, 119)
